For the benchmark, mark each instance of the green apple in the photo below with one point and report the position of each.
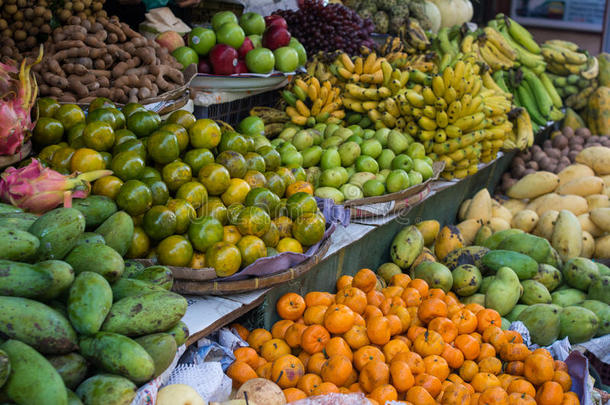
(185, 56)
(286, 59)
(257, 40)
(260, 60)
(366, 164)
(202, 40)
(252, 125)
(397, 180)
(230, 34)
(221, 18)
(403, 162)
(297, 46)
(252, 23)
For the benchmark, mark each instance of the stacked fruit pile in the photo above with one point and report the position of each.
(185, 176)
(93, 323)
(391, 16)
(251, 44)
(519, 275)
(329, 27)
(408, 341)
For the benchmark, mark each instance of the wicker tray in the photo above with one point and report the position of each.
(358, 207)
(23, 153)
(204, 281)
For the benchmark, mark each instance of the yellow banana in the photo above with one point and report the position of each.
(467, 123)
(467, 43)
(344, 73)
(458, 73)
(369, 62)
(301, 84)
(387, 69)
(525, 132)
(358, 65)
(292, 112)
(440, 136)
(425, 135)
(415, 99)
(316, 84)
(442, 120)
(450, 95)
(453, 131)
(448, 77)
(454, 110)
(374, 115)
(440, 104)
(429, 96)
(438, 86)
(500, 42)
(338, 114)
(392, 107)
(370, 105)
(299, 120)
(377, 65)
(347, 62)
(427, 124)
(302, 108)
(317, 106)
(430, 112)
(312, 92)
(324, 95)
(354, 105)
(476, 104)
(388, 119)
(329, 108)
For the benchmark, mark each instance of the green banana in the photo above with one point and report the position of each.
(571, 89)
(583, 83)
(551, 90)
(528, 100)
(521, 35)
(556, 114)
(290, 98)
(498, 77)
(543, 99)
(444, 42)
(526, 57)
(573, 79)
(560, 81)
(300, 93)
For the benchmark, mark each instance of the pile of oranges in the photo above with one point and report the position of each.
(405, 342)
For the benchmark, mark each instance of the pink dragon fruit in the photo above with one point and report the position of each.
(38, 189)
(18, 90)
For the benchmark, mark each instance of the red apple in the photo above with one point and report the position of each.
(170, 40)
(204, 66)
(241, 67)
(223, 59)
(276, 37)
(245, 47)
(275, 20)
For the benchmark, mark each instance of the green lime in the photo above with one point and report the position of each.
(197, 158)
(204, 232)
(175, 174)
(48, 131)
(100, 102)
(135, 145)
(185, 213)
(75, 136)
(160, 193)
(234, 162)
(215, 177)
(256, 162)
(98, 136)
(61, 159)
(143, 123)
(204, 133)
(233, 141)
(132, 108)
(122, 135)
(102, 115)
(193, 192)
(271, 156)
(162, 146)
(134, 197)
(69, 115)
(119, 118)
(180, 132)
(150, 173)
(182, 117)
(175, 250)
(47, 107)
(159, 222)
(127, 165)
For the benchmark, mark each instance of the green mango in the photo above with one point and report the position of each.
(106, 389)
(145, 314)
(554, 259)
(534, 293)
(514, 313)
(23, 279)
(406, 246)
(62, 276)
(503, 292)
(97, 258)
(17, 245)
(477, 298)
(580, 272)
(549, 276)
(157, 275)
(602, 310)
(36, 324)
(578, 324)
(161, 347)
(95, 208)
(8, 208)
(437, 275)
(72, 368)
(117, 231)
(542, 321)
(482, 234)
(603, 269)
(180, 332)
(530, 245)
(132, 268)
(23, 224)
(89, 238)
(494, 240)
(73, 399)
(58, 230)
(466, 280)
(5, 367)
(118, 354)
(485, 283)
(89, 302)
(128, 287)
(600, 290)
(465, 255)
(568, 297)
(33, 380)
(524, 266)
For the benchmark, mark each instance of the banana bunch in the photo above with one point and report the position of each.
(461, 117)
(369, 70)
(310, 102)
(413, 36)
(273, 118)
(536, 93)
(318, 67)
(393, 50)
(522, 135)
(520, 41)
